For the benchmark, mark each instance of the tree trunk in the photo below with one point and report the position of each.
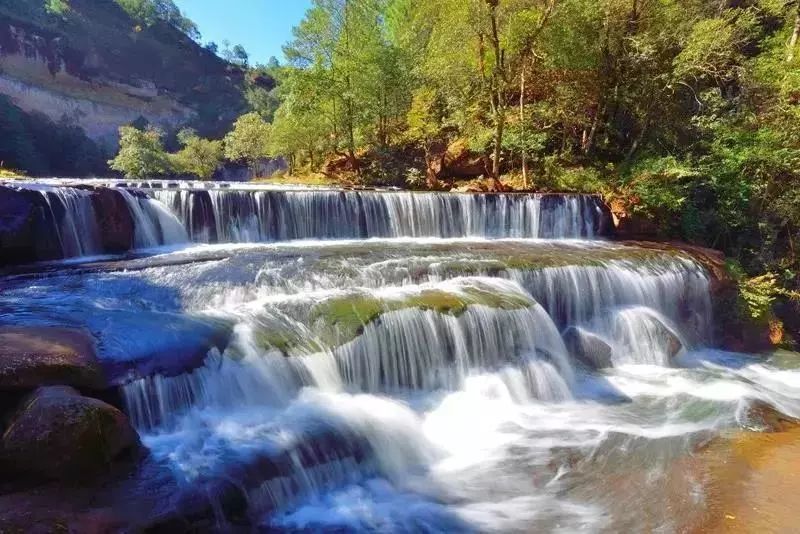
(522, 128)
(795, 35)
(587, 146)
(498, 105)
(431, 170)
(498, 147)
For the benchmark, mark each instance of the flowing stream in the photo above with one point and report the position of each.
(401, 362)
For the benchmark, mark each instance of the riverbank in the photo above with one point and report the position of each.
(752, 483)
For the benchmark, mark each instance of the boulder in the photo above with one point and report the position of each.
(460, 162)
(27, 228)
(763, 417)
(42, 356)
(604, 225)
(588, 348)
(56, 433)
(114, 220)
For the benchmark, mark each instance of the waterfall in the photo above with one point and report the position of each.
(154, 225)
(230, 216)
(75, 222)
(676, 287)
(395, 361)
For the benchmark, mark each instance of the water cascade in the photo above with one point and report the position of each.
(404, 362)
(228, 216)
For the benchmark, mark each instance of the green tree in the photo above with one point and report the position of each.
(198, 156)
(426, 127)
(148, 12)
(249, 141)
(59, 8)
(141, 153)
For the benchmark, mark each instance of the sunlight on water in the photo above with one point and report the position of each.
(397, 362)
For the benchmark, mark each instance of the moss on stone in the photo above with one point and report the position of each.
(339, 320)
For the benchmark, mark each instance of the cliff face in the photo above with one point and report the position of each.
(97, 69)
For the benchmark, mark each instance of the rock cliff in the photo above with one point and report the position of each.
(97, 68)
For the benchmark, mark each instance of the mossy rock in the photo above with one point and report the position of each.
(57, 434)
(341, 319)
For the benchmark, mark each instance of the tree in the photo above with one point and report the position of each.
(426, 128)
(141, 153)
(148, 12)
(248, 142)
(198, 156)
(235, 55)
(59, 8)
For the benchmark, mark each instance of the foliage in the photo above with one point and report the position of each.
(141, 153)
(198, 156)
(249, 141)
(148, 12)
(59, 8)
(760, 292)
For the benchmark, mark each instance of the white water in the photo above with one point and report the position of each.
(253, 216)
(463, 412)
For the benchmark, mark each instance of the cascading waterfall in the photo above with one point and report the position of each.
(423, 363)
(676, 287)
(75, 222)
(229, 216)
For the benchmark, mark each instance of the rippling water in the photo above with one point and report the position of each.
(404, 385)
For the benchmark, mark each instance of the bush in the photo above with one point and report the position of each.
(141, 153)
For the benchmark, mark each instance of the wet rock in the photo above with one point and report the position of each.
(179, 343)
(671, 342)
(114, 220)
(42, 356)
(588, 348)
(56, 433)
(27, 228)
(604, 224)
(763, 417)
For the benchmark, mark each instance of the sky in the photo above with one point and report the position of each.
(261, 26)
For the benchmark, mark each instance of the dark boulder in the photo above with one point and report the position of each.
(590, 349)
(604, 224)
(114, 220)
(41, 356)
(668, 339)
(763, 417)
(27, 228)
(56, 433)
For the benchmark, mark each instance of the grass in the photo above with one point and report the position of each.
(10, 174)
(314, 179)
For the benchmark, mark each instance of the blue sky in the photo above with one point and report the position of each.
(261, 26)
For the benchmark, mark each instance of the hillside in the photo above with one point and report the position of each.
(96, 68)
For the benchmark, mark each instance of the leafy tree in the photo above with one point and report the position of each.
(148, 12)
(198, 156)
(426, 127)
(236, 55)
(59, 8)
(249, 140)
(141, 153)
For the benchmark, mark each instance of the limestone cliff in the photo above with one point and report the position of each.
(97, 69)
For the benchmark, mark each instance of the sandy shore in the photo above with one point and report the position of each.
(753, 483)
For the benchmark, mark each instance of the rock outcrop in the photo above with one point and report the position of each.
(56, 433)
(43, 356)
(761, 416)
(114, 220)
(588, 348)
(24, 227)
